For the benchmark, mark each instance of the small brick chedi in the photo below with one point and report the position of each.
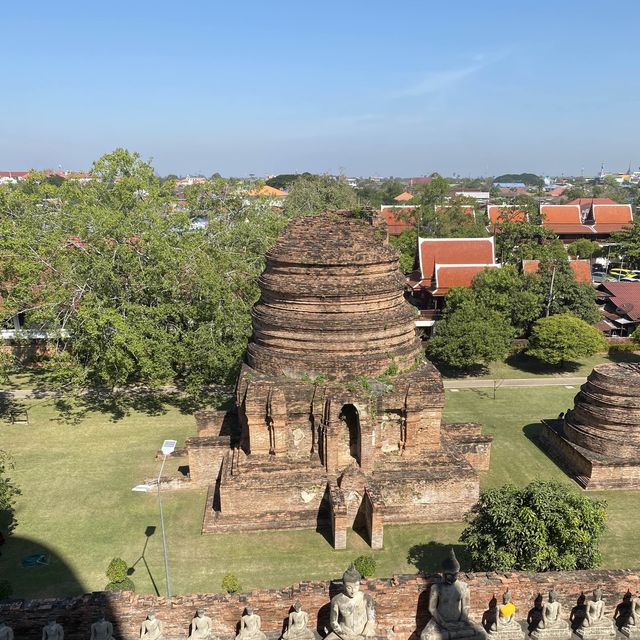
(598, 441)
(338, 412)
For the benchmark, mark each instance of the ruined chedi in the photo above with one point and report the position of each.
(339, 413)
(598, 441)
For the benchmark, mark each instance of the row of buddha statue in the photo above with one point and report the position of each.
(352, 617)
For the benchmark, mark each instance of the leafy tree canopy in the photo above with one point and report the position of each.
(544, 526)
(315, 194)
(285, 180)
(470, 333)
(510, 293)
(628, 241)
(556, 285)
(563, 337)
(406, 244)
(583, 248)
(130, 291)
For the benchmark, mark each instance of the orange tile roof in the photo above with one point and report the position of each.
(581, 269)
(560, 214)
(448, 276)
(459, 251)
(558, 191)
(612, 213)
(583, 201)
(398, 218)
(499, 213)
(266, 190)
(404, 196)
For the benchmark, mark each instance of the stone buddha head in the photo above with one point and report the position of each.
(297, 606)
(506, 597)
(248, 610)
(597, 594)
(450, 568)
(553, 596)
(200, 613)
(152, 614)
(351, 581)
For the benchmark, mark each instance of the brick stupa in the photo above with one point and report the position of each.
(339, 413)
(598, 441)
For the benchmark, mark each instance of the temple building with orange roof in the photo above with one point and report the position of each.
(443, 263)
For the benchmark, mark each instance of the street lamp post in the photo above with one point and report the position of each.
(168, 447)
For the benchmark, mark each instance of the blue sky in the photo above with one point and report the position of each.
(364, 87)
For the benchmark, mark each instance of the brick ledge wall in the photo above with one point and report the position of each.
(400, 604)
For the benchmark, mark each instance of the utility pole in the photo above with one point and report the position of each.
(553, 275)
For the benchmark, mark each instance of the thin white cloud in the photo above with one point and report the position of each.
(437, 81)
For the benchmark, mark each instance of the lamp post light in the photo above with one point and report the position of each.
(167, 448)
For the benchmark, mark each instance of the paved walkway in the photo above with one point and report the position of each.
(542, 381)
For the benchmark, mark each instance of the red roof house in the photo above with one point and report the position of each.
(398, 217)
(404, 196)
(581, 269)
(451, 262)
(504, 213)
(611, 217)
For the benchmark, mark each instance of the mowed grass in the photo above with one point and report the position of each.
(520, 365)
(78, 507)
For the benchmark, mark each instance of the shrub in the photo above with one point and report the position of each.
(366, 565)
(231, 584)
(117, 570)
(6, 590)
(122, 585)
(557, 339)
(544, 526)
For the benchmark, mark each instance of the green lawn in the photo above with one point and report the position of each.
(78, 506)
(521, 366)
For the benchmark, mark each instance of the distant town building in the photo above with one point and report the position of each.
(404, 196)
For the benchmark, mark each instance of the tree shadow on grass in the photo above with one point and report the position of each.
(35, 570)
(527, 364)
(471, 372)
(74, 408)
(427, 558)
(619, 356)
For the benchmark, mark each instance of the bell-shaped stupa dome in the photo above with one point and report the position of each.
(606, 415)
(332, 303)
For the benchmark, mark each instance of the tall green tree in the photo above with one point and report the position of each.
(470, 334)
(562, 338)
(628, 244)
(129, 292)
(510, 293)
(315, 194)
(544, 526)
(556, 285)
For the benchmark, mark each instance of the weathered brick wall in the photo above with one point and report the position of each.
(400, 604)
